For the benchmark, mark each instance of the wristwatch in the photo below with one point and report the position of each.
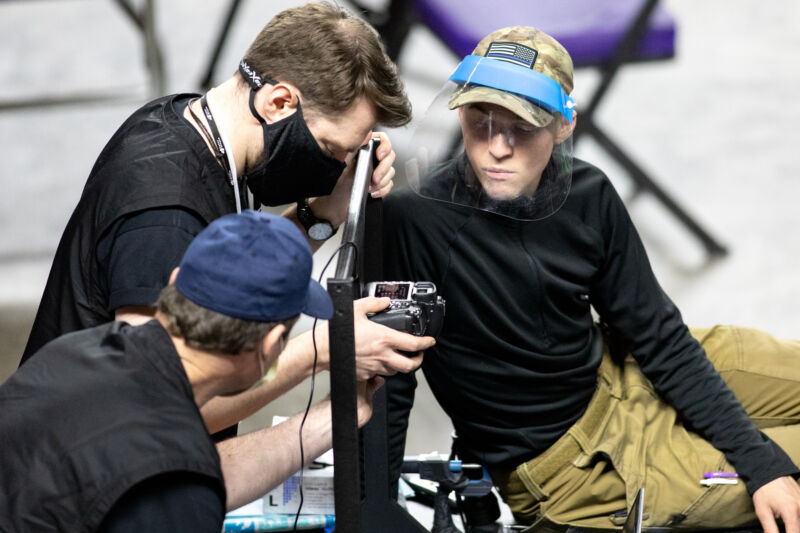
(317, 229)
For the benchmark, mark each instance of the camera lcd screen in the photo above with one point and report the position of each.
(395, 291)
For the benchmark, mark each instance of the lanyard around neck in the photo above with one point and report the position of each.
(220, 147)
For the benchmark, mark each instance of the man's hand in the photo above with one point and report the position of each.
(334, 206)
(383, 175)
(366, 389)
(779, 498)
(378, 347)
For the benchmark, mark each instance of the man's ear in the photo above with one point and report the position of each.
(275, 102)
(564, 129)
(272, 343)
(173, 275)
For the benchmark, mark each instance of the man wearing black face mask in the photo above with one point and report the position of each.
(294, 165)
(285, 127)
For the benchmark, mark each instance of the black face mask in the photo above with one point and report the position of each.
(294, 166)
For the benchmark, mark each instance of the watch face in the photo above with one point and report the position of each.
(320, 231)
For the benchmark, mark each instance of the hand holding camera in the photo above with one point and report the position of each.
(415, 307)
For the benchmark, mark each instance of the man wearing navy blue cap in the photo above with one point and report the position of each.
(102, 430)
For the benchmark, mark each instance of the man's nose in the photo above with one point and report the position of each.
(501, 143)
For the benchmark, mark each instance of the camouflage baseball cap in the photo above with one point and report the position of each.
(531, 48)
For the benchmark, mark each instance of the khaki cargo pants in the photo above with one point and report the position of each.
(628, 439)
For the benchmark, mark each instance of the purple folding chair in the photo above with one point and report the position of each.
(604, 34)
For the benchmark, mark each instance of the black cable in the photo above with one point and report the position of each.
(459, 500)
(313, 380)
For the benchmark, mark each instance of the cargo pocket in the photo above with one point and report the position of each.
(585, 492)
(724, 506)
(628, 439)
(658, 453)
(640, 443)
(731, 506)
(575, 481)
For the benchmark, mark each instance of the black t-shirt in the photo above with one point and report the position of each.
(156, 159)
(139, 252)
(137, 257)
(169, 503)
(516, 363)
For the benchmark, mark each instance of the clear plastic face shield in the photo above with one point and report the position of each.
(498, 137)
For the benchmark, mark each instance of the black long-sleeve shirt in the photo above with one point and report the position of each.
(515, 366)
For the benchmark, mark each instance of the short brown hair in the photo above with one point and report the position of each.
(203, 329)
(333, 58)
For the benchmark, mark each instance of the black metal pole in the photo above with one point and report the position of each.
(343, 289)
(347, 467)
(230, 14)
(363, 503)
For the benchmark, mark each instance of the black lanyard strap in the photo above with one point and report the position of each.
(220, 150)
(219, 146)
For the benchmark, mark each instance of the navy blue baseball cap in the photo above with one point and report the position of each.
(254, 266)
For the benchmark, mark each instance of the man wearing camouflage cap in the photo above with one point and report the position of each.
(572, 415)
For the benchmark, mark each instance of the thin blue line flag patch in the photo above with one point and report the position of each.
(516, 53)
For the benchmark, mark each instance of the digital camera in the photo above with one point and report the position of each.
(415, 307)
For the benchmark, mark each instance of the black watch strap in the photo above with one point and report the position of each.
(317, 229)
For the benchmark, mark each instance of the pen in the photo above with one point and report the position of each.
(720, 475)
